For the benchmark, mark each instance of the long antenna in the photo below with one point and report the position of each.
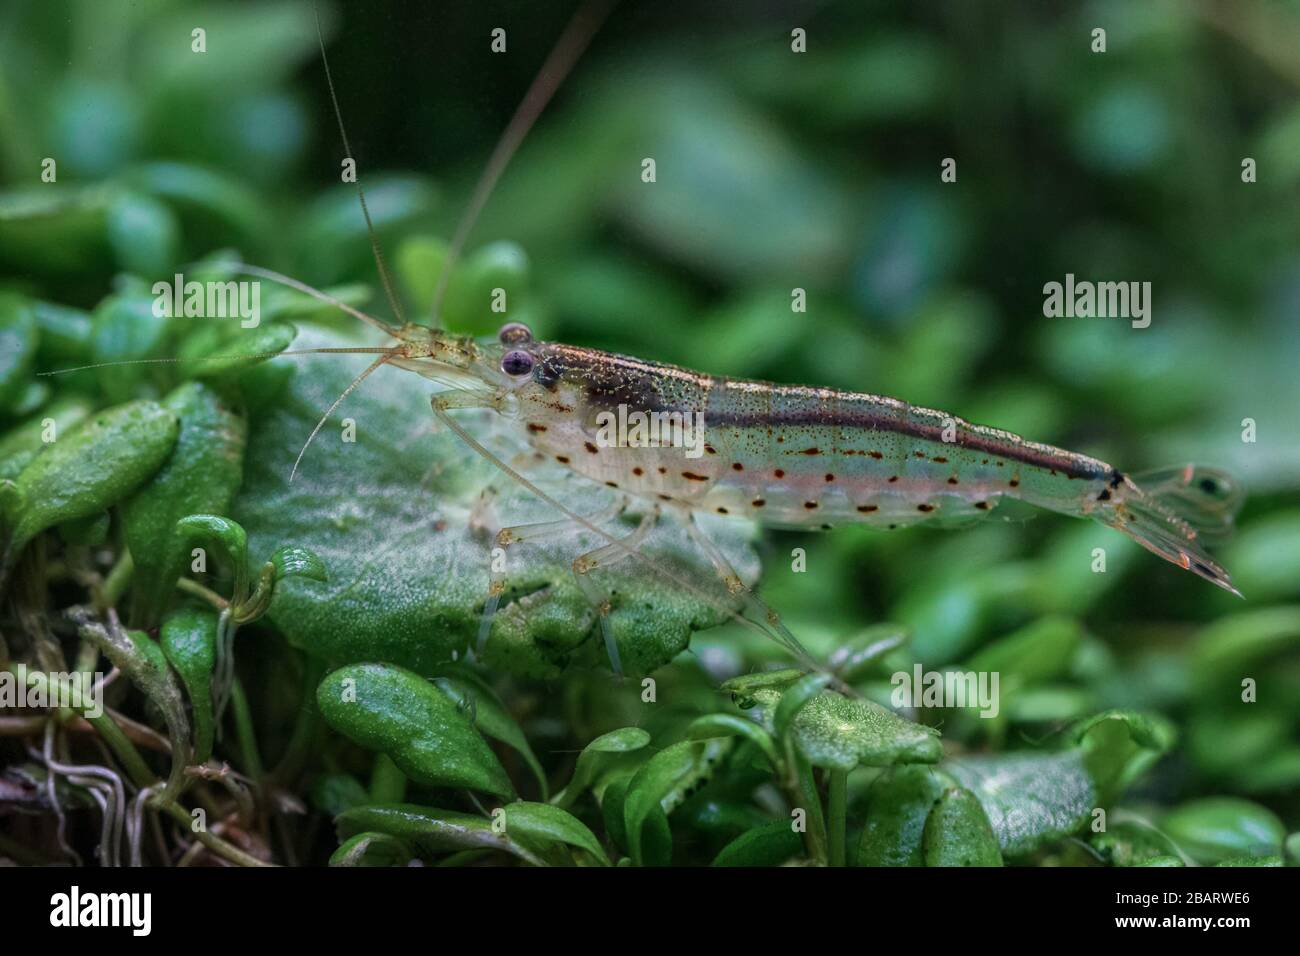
(337, 402)
(361, 193)
(562, 57)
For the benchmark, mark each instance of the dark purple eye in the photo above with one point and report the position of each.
(516, 362)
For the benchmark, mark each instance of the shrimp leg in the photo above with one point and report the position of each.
(599, 596)
(736, 587)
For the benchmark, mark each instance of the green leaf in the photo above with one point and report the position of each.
(841, 733)
(490, 716)
(743, 688)
(957, 832)
(467, 301)
(898, 805)
(65, 335)
(333, 793)
(1030, 799)
(1119, 745)
(664, 781)
(371, 849)
(1271, 859)
(19, 337)
(432, 830)
(794, 699)
(223, 358)
(861, 655)
(1128, 841)
(540, 825)
(725, 725)
(125, 329)
(1241, 645)
(396, 712)
(200, 477)
(93, 467)
(597, 755)
(769, 845)
(19, 446)
(189, 640)
(196, 189)
(143, 233)
(1037, 652)
(1215, 829)
(390, 516)
(298, 562)
(229, 536)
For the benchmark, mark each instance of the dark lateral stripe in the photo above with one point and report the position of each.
(1063, 461)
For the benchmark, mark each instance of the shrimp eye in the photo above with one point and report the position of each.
(515, 333)
(516, 362)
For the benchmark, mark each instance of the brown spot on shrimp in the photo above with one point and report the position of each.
(829, 476)
(780, 473)
(876, 455)
(757, 503)
(590, 447)
(983, 505)
(737, 466)
(814, 450)
(692, 476)
(925, 508)
(867, 509)
(810, 505)
(536, 428)
(562, 459)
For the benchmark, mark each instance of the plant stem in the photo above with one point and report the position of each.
(387, 783)
(305, 726)
(122, 747)
(212, 842)
(198, 590)
(116, 582)
(248, 752)
(836, 819)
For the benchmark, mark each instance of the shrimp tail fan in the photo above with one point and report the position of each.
(1177, 512)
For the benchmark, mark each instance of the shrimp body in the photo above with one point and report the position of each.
(789, 455)
(802, 457)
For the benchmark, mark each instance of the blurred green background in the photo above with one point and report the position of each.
(775, 171)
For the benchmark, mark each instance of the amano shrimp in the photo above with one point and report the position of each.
(786, 456)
